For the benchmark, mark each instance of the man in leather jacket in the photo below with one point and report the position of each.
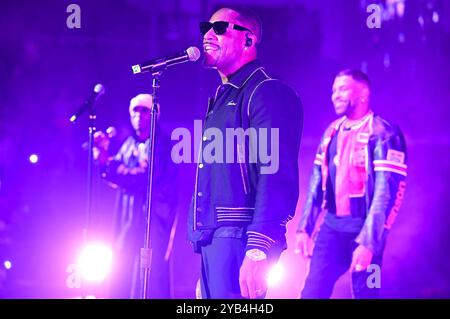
(243, 199)
(355, 192)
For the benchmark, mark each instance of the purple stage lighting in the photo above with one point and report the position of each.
(33, 158)
(95, 262)
(7, 264)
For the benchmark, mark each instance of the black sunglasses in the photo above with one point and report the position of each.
(220, 27)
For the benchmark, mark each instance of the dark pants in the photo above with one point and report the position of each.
(222, 260)
(332, 257)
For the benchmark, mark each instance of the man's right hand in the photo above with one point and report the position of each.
(101, 145)
(303, 244)
(101, 140)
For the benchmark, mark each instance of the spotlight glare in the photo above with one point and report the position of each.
(7, 264)
(421, 21)
(33, 158)
(95, 262)
(275, 275)
(435, 17)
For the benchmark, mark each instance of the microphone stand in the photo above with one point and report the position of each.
(146, 251)
(88, 105)
(90, 171)
(89, 184)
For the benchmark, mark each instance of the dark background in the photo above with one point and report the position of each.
(47, 70)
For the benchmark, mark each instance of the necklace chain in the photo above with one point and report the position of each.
(348, 125)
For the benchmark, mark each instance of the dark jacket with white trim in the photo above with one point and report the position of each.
(384, 157)
(236, 192)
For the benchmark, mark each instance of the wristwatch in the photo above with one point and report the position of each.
(256, 254)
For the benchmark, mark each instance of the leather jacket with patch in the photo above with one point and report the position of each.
(377, 171)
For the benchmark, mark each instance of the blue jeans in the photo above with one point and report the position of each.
(332, 257)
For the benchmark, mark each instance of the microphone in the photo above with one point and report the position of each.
(99, 90)
(160, 64)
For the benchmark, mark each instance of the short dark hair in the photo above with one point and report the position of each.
(250, 20)
(356, 75)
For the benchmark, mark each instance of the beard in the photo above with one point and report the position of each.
(342, 107)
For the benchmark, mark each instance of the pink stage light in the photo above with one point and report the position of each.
(95, 262)
(275, 275)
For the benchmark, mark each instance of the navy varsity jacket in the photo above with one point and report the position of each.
(249, 179)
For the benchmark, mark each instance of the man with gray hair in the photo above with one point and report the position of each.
(127, 171)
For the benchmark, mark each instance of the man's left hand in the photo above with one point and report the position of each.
(253, 278)
(362, 257)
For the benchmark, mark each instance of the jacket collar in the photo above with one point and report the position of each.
(241, 76)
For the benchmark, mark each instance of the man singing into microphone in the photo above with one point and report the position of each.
(355, 192)
(128, 170)
(240, 206)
